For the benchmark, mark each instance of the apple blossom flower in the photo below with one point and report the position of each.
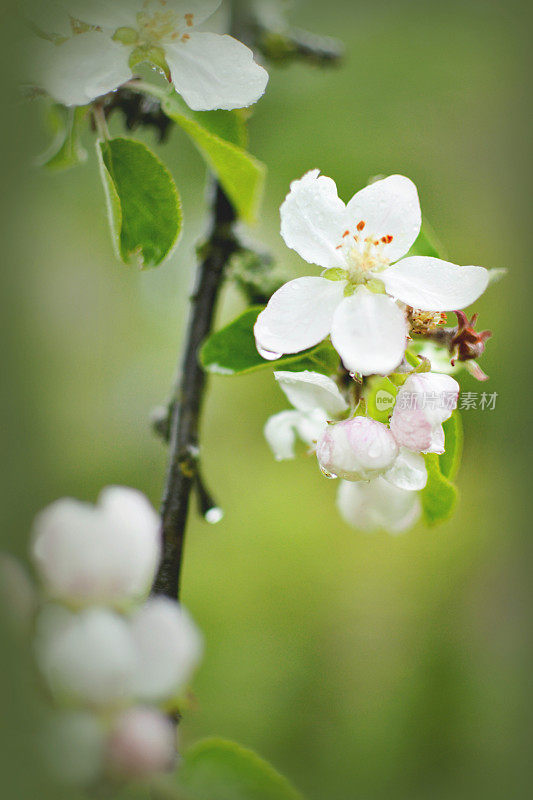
(315, 398)
(356, 449)
(378, 505)
(358, 244)
(88, 658)
(106, 553)
(101, 658)
(142, 744)
(169, 648)
(423, 403)
(108, 39)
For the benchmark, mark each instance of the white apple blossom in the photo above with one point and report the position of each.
(358, 244)
(141, 744)
(316, 398)
(378, 505)
(356, 449)
(94, 47)
(105, 554)
(88, 658)
(424, 402)
(169, 648)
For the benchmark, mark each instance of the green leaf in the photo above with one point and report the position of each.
(66, 150)
(143, 202)
(450, 460)
(215, 769)
(232, 351)
(220, 137)
(427, 243)
(439, 495)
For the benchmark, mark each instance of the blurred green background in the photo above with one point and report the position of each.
(363, 666)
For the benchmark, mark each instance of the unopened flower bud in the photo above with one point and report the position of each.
(357, 449)
(424, 402)
(169, 647)
(104, 554)
(88, 658)
(142, 744)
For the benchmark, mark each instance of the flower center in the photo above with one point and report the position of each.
(365, 254)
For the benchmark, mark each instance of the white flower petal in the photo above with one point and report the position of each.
(369, 333)
(357, 449)
(408, 471)
(313, 220)
(108, 14)
(169, 648)
(106, 553)
(298, 315)
(212, 71)
(434, 285)
(87, 658)
(378, 506)
(308, 391)
(310, 426)
(389, 207)
(424, 402)
(81, 69)
(280, 433)
(193, 11)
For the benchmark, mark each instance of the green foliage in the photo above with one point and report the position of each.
(143, 202)
(220, 137)
(215, 769)
(232, 351)
(66, 150)
(439, 495)
(450, 460)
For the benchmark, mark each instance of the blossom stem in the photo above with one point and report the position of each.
(185, 409)
(100, 121)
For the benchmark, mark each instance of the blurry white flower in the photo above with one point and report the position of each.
(378, 505)
(357, 449)
(169, 648)
(87, 658)
(359, 242)
(208, 69)
(74, 744)
(315, 398)
(105, 554)
(424, 402)
(142, 743)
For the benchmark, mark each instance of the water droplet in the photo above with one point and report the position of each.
(327, 474)
(214, 515)
(268, 354)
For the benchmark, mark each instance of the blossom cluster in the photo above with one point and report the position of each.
(87, 48)
(114, 661)
(370, 300)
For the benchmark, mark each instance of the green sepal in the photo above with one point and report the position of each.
(66, 150)
(450, 460)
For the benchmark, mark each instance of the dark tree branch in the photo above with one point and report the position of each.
(182, 474)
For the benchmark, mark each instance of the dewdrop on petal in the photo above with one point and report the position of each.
(357, 449)
(102, 554)
(142, 744)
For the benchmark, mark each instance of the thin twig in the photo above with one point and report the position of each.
(187, 403)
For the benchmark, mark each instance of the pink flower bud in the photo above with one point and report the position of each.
(357, 449)
(142, 743)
